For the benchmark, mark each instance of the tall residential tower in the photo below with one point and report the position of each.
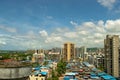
(112, 55)
(69, 51)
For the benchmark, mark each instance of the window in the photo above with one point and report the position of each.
(36, 78)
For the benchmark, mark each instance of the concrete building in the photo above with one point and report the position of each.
(41, 73)
(54, 54)
(96, 57)
(38, 56)
(91, 59)
(69, 51)
(83, 54)
(38, 77)
(77, 52)
(14, 70)
(99, 61)
(112, 58)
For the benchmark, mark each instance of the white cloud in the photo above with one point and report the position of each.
(88, 24)
(43, 33)
(71, 35)
(2, 40)
(62, 30)
(59, 29)
(107, 3)
(101, 23)
(98, 41)
(2, 43)
(98, 35)
(89, 34)
(31, 34)
(83, 32)
(9, 29)
(84, 39)
(73, 23)
(53, 39)
(113, 25)
(100, 29)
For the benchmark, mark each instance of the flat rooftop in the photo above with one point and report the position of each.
(13, 64)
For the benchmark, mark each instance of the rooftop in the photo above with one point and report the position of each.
(13, 64)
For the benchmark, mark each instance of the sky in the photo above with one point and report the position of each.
(36, 24)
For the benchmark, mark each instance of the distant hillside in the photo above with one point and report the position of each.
(93, 49)
(12, 51)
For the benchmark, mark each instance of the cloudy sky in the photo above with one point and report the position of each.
(30, 24)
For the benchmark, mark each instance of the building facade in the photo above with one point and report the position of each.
(83, 54)
(38, 56)
(111, 45)
(69, 51)
(77, 52)
(38, 77)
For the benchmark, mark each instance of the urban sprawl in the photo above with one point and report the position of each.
(66, 63)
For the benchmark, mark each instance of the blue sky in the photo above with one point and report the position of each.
(30, 24)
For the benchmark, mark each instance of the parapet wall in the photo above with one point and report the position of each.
(14, 73)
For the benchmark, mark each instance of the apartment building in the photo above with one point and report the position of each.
(112, 55)
(69, 51)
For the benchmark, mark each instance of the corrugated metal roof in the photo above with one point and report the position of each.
(70, 73)
(43, 67)
(102, 74)
(36, 73)
(94, 77)
(108, 77)
(37, 68)
(43, 73)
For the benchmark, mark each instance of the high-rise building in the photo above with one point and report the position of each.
(77, 52)
(112, 55)
(83, 52)
(69, 51)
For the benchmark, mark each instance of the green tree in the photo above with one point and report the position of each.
(45, 63)
(101, 67)
(54, 76)
(61, 67)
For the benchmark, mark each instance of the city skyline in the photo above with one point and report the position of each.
(50, 23)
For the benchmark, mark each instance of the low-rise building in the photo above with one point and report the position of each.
(36, 77)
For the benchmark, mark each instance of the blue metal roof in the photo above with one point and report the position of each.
(94, 69)
(43, 67)
(105, 77)
(92, 74)
(37, 68)
(66, 78)
(43, 73)
(69, 77)
(102, 74)
(108, 77)
(70, 73)
(94, 77)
